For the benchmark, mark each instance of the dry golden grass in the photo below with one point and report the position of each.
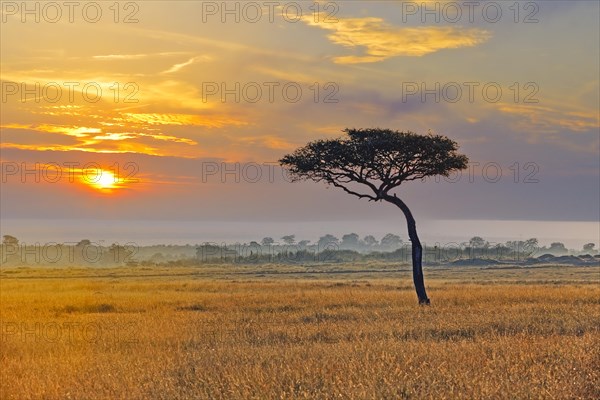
(167, 334)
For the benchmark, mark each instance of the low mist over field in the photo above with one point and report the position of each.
(574, 234)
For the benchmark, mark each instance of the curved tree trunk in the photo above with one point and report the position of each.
(417, 249)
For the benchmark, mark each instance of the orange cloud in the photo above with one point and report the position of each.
(269, 141)
(95, 140)
(127, 135)
(182, 119)
(540, 119)
(382, 40)
(75, 131)
(125, 149)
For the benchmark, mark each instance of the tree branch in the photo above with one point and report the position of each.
(359, 195)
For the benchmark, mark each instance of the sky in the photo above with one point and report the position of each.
(163, 121)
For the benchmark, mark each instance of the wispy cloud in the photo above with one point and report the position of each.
(115, 136)
(218, 44)
(136, 56)
(156, 136)
(191, 61)
(382, 40)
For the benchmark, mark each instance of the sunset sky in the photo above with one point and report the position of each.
(162, 126)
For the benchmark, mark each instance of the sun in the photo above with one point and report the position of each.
(104, 180)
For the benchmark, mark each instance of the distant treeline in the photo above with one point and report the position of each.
(327, 249)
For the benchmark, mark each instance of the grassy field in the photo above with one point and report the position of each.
(329, 331)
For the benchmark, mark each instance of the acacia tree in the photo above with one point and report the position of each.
(378, 160)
